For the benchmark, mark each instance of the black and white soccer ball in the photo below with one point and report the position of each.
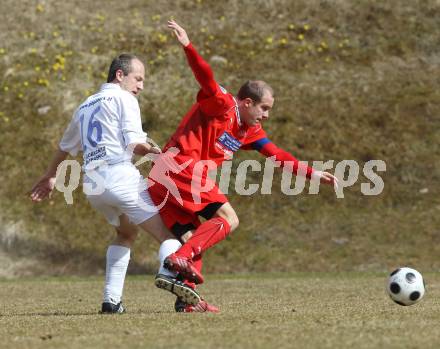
(406, 286)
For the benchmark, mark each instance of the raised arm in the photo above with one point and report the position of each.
(201, 69)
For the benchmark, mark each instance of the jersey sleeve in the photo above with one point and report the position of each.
(218, 104)
(131, 123)
(71, 140)
(214, 100)
(288, 161)
(256, 137)
(201, 70)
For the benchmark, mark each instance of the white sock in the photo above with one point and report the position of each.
(166, 248)
(116, 268)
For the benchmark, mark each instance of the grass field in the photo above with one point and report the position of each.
(349, 310)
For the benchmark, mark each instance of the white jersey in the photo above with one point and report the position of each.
(103, 126)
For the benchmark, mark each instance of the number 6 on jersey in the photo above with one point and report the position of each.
(92, 125)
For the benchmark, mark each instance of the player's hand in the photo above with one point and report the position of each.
(179, 32)
(325, 178)
(155, 150)
(42, 189)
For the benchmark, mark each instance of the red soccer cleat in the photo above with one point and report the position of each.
(201, 307)
(184, 267)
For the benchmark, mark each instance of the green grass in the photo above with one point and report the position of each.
(314, 310)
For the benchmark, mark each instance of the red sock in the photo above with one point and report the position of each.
(197, 262)
(206, 235)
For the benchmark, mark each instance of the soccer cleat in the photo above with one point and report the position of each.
(111, 308)
(202, 307)
(178, 288)
(183, 266)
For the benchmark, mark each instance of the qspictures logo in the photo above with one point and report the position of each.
(203, 175)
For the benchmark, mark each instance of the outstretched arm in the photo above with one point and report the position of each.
(143, 149)
(45, 184)
(202, 71)
(268, 149)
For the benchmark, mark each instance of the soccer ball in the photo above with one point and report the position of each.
(406, 286)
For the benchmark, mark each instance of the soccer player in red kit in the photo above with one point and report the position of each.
(215, 127)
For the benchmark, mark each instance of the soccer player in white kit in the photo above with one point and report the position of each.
(107, 128)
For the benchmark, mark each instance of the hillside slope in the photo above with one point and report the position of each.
(353, 81)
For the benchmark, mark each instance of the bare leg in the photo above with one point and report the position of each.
(126, 233)
(226, 211)
(157, 228)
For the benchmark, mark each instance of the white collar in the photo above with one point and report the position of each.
(237, 111)
(109, 86)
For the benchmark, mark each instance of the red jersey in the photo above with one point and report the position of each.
(212, 129)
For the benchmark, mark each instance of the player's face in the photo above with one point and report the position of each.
(256, 112)
(134, 81)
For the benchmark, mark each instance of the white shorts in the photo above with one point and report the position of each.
(124, 192)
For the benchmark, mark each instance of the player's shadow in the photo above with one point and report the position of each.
(56, 261)
(84, 313)
(54, 313)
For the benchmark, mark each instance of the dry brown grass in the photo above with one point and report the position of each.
(346, 310)
(354, 80)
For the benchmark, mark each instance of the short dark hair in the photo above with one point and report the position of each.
(122, 62)
(254, 89)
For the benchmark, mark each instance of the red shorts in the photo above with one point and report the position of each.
(180, 202)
